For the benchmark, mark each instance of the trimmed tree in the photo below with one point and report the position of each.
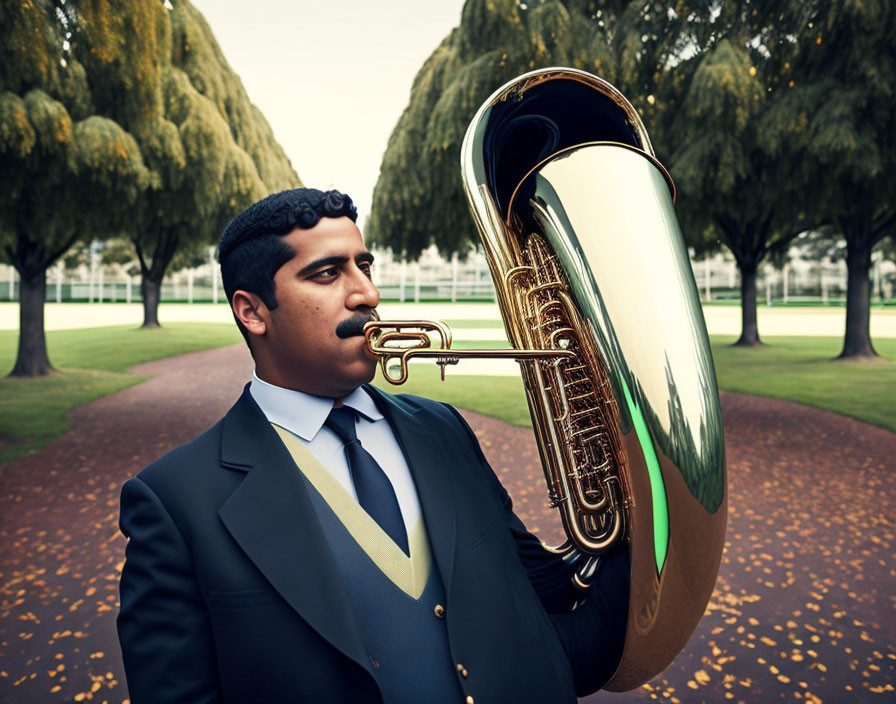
(64, 175)
(210, 151)
(729, 177)
(418, 199)
(840, 116)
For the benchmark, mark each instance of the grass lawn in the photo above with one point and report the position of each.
(92, 363)
(800, 369)
(498, 396)
(790, 368)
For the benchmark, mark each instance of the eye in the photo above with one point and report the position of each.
(367, 268)
(328, 273)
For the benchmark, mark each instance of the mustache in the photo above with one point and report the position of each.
(354, 326)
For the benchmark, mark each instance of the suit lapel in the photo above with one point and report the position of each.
(427, 459)
(272, 519)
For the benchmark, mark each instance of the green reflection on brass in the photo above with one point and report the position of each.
(657, 488)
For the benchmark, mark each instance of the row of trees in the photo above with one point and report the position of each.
(119, 120)
(774, 117)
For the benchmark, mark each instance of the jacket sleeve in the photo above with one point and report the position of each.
(163, 626)
(591, 624)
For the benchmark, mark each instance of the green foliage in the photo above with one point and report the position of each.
(17, 137)
(735, 181)
(119, 131)
(117, 250)
(161, 74)
(197, 54)
(33, 56)
(837, 122)
(418, 199)
(124, 47)
(59, 177)
(839, 113)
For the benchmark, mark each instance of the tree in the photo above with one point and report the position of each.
(210, 151)
(727, 174)
(64, 174)
(418, 199)
(840, 117)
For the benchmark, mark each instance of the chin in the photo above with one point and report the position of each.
(358, 376)
(368, 376)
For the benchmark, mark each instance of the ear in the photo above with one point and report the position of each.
(251, 311)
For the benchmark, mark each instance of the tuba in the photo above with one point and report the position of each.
(600, 305)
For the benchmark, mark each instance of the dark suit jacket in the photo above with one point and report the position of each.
(229, 592)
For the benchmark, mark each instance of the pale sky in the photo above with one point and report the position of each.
(332, 78)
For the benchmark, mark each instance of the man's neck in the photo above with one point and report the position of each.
(289, 385)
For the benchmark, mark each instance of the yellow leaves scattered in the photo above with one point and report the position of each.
(883, 688)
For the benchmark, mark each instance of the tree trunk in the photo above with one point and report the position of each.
(857, 341)
(151, 292)
(32, 358)
(749, 330)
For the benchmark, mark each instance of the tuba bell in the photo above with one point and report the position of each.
(601, 309)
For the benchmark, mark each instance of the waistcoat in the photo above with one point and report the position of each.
(397, 600)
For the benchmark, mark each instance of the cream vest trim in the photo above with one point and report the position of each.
(408, 573)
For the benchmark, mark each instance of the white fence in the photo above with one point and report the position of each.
(433, 278)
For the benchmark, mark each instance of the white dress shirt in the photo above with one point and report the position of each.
(304, 416)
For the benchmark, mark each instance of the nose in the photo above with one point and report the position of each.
(363, 293)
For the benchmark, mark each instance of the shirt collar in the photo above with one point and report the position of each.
(304, 414)
(361, 402)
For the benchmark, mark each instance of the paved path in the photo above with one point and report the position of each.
(803, 608)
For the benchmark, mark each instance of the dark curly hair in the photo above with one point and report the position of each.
(251, 249)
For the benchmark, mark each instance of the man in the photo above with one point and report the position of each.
(327, 542)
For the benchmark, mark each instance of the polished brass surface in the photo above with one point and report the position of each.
(402, 340)
(600, 307)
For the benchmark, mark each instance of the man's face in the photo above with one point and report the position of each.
(325, 285)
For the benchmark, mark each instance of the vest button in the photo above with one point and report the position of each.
(374, 662)
(439, 611)
(469, 700)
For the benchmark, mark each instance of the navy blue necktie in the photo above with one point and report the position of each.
(375, 492)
